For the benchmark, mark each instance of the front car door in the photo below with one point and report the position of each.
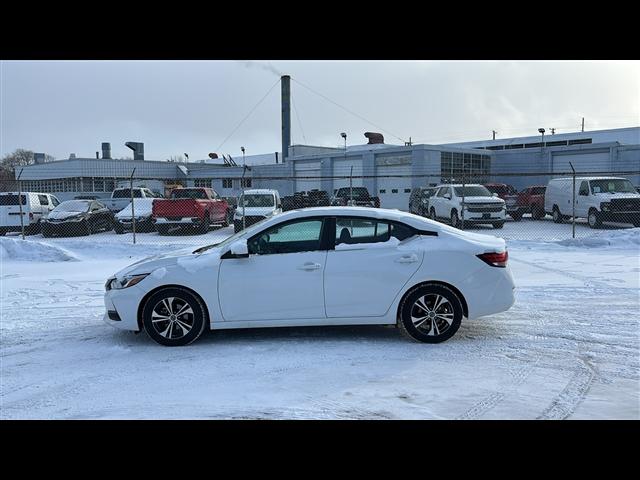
(282, 279)
(582, 200)
(368, 266)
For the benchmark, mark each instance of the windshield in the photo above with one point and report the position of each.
(611, 186)
(187, 193)
(358, 192)
(257, 200)
(73, 206)
(472, 191)
(229, 240)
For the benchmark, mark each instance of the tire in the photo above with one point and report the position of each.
(227, 219)
(455, 220)
(237, 226)
(498, 225)
(162, 229)
(85, 228)
(175, 331)
(557, 217)
(46, 233)
(594, 218)
(119, 230)
(537, 213)
(517, 216)
(432, 214)
(421, 329)
(206, 223)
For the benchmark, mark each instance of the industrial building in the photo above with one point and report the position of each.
(388, 171)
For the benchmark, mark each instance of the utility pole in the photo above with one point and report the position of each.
(20, 203)
(573, 219)
(553, 131)
(494, 134)
(244, 169)
(133, 212)
(583, 124)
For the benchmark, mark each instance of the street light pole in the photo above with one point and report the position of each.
(244, 169)
(344, 135)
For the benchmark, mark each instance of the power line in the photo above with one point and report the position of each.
(346, 109)
(299, 122)
(248, 115)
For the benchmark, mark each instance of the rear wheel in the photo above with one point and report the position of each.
(595, 221)
(162, 229)
(517, 216)
(174, 317)
(204, 227)
(118, 228)
(557, 217)
(537, 213)
(430, 313)
(85, 227)
(237, 226)
(498, 225)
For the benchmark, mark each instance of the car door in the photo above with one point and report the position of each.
(582, 200)
(442, 206)
(282, 279)
(367, 267)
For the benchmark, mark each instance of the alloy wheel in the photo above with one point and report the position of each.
(432, 314)
(172, 318)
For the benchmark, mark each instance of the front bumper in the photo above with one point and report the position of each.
(123, 304)
(621, 217)
(486, 217)
(64, 228)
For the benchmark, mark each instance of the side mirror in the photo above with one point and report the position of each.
(238, 249)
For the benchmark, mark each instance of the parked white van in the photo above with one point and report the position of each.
(598, 199)
(35, 208)
(256, 205)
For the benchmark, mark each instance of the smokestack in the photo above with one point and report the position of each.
(286, 115)
(106, 150)
(138, 149)
(38, 157)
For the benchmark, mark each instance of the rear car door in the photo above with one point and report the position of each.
(368, 267)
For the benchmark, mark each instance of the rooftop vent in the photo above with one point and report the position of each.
(374, 137)
(138, 149)
(106, 150)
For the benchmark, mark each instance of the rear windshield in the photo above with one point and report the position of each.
(472, 191)
(11, 199)
(186, 193)
(538, 190)
(126, 193)
(73, 206)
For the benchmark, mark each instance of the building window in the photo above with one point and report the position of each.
(202, 182)
(579, 141)
(407, 190)
(383, 191)
(394, 190)
(227, 183)
(246, 183)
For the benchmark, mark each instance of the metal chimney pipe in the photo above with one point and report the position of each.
(286, 115)
(106, 150)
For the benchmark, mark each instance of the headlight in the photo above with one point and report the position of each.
(125, 282)
(605, 206)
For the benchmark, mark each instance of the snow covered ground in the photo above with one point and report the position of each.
(569, 347)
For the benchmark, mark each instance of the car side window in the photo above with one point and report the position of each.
(294, 237)
(584, 188)
(43, 200)
(352, 231)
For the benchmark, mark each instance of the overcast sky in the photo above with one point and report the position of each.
(192, 106)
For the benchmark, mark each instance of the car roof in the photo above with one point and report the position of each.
(260, 190)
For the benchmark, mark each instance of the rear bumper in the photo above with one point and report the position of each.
(141, 226)
(179, 221)
(496, 295)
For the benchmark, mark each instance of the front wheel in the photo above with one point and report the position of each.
(595, 221)
(237, 226)
(455, 220)
(557, 217)
(174, 317)
(498, 225)
(432, 214)
(430, 313)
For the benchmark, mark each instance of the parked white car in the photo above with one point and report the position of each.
(318, 266)
(121, 197)
(256, 205)
(143, 209)
(35, 208)
(598, 199)
(480, 205)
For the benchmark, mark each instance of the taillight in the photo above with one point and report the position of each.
(30, 215)
(495, 259)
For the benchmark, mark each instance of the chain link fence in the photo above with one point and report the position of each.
(546, 206)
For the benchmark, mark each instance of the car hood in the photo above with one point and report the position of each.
(63, 215)
(482, 200)
(142, 208)
(607, 196)
(183, 257)
(255, 211)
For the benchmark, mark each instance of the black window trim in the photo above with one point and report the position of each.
(323, 233)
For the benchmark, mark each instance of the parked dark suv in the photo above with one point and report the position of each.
(419, 200)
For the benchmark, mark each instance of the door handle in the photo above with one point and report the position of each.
(310, 266)
(407, 259)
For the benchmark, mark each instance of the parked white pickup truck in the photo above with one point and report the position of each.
(121, 197)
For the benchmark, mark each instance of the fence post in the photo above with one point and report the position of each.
(464, 178)
(20, 203)
(133, 212)
(573, 213)
(351, 186)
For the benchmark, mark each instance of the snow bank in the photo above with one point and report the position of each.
(33, 251)
(626, 238)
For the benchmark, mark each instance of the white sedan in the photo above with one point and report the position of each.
(318, 266)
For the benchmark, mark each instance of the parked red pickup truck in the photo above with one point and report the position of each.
(190, 208)
(530, 200)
